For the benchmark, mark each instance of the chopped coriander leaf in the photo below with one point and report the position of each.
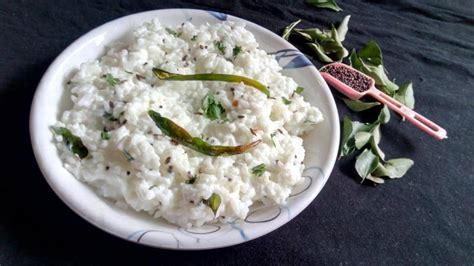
(219, 46)
(285, 101)
(172, 32)
(212, 108)
(72, 142)
(259, 170)
(111, 80)
(236, 51)
(194, 38)
(104, 135)
(299, 90)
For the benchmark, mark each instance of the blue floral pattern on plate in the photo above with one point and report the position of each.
(220, 16)
(297, 60)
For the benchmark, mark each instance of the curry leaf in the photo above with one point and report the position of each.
(375, 179)
(382, 82)
(355, 60)
(288, 29)
(343, 28)
(312, 34)
(405, 95)
(384, 115)
(335, 45)
(394, 168)
(259, 169)
(358, 106)
(366, 163)
(72, 142)
(361, 139)
(212, 108)
(320, 53)
(376, 149)
(350, 129)
(329, 4)
(376, 133)
(371, 53)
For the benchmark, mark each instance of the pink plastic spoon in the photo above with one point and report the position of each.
(355, 85)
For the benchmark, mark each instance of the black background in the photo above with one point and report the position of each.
(426, 217)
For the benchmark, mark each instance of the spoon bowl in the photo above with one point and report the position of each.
(355, 85)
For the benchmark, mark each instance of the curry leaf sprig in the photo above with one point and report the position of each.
(326, 45)
(371, 164)
(180, 135)
(364, 137)
(212, 108)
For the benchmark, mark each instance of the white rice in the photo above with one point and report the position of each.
(148, 182)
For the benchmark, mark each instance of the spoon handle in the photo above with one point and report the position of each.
(415, 118)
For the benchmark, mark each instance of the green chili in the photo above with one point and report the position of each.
(165, 75)
(179, 134)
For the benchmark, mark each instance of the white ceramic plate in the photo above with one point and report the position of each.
(50, 101)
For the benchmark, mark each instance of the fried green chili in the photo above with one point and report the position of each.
(165, 75)
(179, 134)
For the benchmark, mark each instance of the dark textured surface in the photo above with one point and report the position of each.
(424, 218)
